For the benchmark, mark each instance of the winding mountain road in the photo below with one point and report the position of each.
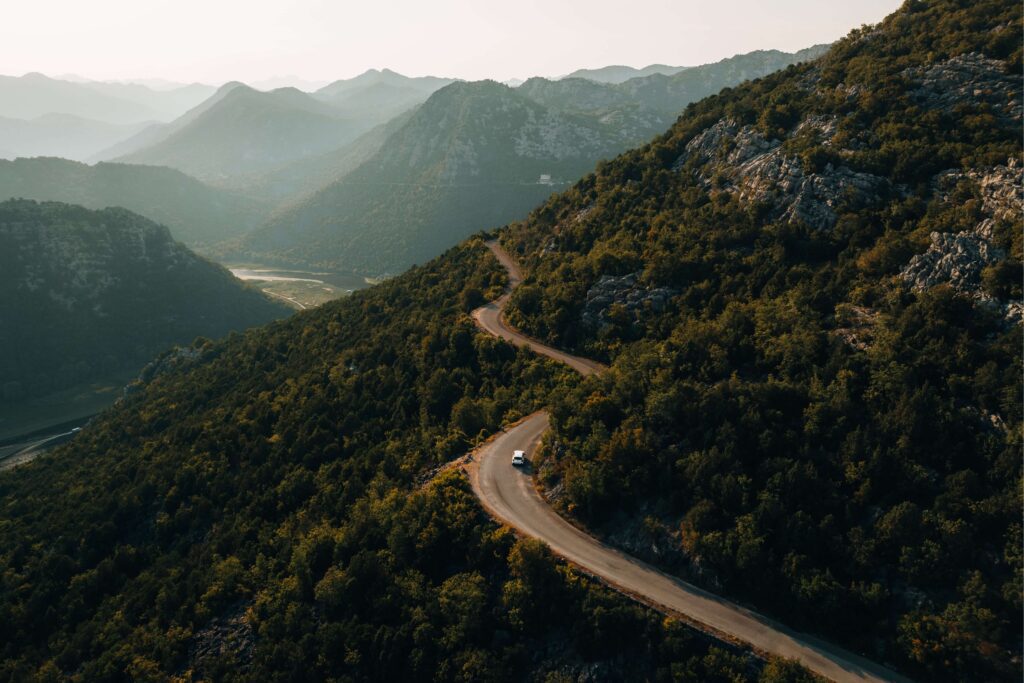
(509, 495)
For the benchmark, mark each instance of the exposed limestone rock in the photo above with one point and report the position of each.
(548, 135)
(968, 79)
(759, 170)
(823, 128)
(705, 146)
(728, 143)
(625, 291)
(959, 259)
(858, 324)
(231, 635)
(778, 179)
(953, 259)
(1002, 194)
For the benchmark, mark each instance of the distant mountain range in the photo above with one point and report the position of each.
(307, 175)
(195, 213)
(64, 135)
(479, 155)
(240, 132)
(246, 131)
(666, 95)
(84, 293)
(34, 95)
(379, 171)
(618, 73)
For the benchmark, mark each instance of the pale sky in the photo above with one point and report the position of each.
(219, 40)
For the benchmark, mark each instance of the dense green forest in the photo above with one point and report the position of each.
(87, 294)
(808, 294)
(261, 509)
(802, 405)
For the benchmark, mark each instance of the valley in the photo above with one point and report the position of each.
(707, 370)
(301, 288)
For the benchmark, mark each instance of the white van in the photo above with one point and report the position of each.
(518, 458)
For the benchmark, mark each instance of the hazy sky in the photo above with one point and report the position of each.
(218, 40)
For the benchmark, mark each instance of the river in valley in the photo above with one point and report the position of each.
(301, 288)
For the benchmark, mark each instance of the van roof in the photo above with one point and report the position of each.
(518, 452)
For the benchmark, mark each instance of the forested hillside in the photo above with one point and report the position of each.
(809, 292)
(84, 294)
(195, 213)
(256, 510)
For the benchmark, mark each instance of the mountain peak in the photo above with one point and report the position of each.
(231, 85)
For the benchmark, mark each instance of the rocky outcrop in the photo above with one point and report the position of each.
(958, 259)
(810, 198)
(625, 291)
(230, 635)
(970, 79)
(1000, 188)
(953, 259)
(856, 326)
(759, 170)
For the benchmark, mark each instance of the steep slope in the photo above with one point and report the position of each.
(671, 93)
(63, 135)
(509, 495)
(471, 156)
(306, 176)
(246, 131)
(258, 511)
(809, 294)
(196, 214)
(158, 132)
(85, 293)
(255, 510)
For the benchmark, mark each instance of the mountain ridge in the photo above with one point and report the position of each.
(88, 293)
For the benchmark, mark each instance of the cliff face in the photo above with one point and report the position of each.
(86, 292)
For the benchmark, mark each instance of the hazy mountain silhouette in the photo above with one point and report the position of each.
(65, 135)
(195, 213)
(244, 131)
(34, 95)
(617, 73)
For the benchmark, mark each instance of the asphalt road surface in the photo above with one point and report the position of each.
(16, 454)
(509, 495)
